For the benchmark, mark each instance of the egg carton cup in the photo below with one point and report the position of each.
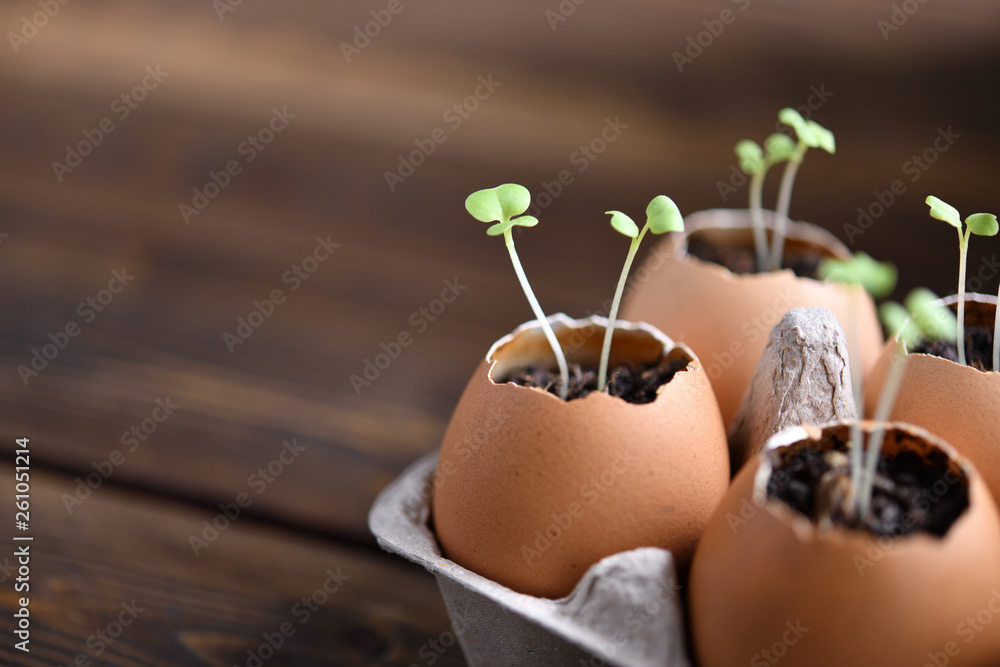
(624, 612)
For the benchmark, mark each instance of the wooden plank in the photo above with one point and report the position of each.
(127, 548)
(324, 176)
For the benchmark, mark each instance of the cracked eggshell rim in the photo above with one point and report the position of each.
(532, 490)
(561, 320)
(725, 317)
(959, 404)
(866, 600)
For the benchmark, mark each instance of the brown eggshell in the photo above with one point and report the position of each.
(763, 572)
(531, 490)
(726, 318)
(956, 403)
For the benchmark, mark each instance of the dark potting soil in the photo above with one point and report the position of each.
(628, 382)
(744, 260)
(912, 493)
(978, 348)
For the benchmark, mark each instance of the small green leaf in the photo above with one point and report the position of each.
(779, 147)
(662, 216)
(498, 204)
(837, 270)
(484, 206)
(982, 224)
(751, 157)
(894, 318)
(936, 321)
(877, 278)
(501, 227)
(623, 224)
(945, 212)
(794, 120)
(515, 199)
(824, 137)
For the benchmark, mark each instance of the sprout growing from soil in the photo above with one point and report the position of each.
(500, 205)
(810, 135)
(878, 279)
(755, 162)
(923, 317)
(662, 216)
(980, 224)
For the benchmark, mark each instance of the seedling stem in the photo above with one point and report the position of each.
(662, 216)
(927, 319)
(981, 224)
(550, 335)
(500, 205)
(810, 134)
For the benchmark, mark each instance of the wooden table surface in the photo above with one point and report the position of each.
(152, 406)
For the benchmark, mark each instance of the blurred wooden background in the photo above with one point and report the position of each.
(559, 73)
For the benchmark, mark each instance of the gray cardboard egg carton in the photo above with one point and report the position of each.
(626, 611)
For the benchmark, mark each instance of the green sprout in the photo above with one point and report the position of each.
(662, 216)
(878, 279)
(923, 317)
(810, 134)
(755, 162)
(500, 205)
(980, 224)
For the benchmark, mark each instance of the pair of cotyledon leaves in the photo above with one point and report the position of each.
(779, 147)
(877, 278)
(922, 317)
(502, 203)
(980, 224)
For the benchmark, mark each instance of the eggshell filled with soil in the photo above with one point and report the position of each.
(532, 490)
(959, 404)
(726, 317)
(767, 584)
